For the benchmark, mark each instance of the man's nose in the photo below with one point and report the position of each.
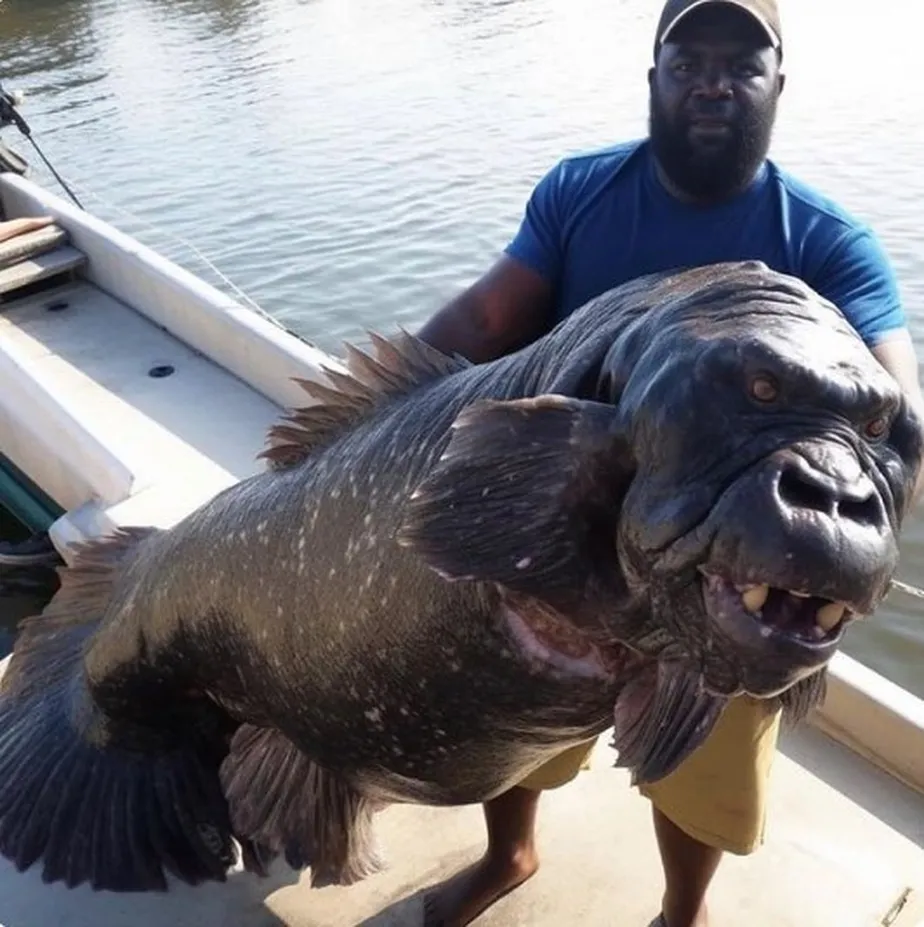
(714, 84)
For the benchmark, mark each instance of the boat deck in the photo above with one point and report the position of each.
(86, 367)
(845, 848)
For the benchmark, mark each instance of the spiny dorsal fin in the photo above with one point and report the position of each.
(396, 365)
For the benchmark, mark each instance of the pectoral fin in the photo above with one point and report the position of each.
(661, 717)
(526, 494)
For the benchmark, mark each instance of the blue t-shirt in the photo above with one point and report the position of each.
(597, 220)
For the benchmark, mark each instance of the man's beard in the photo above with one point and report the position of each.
(717, 173)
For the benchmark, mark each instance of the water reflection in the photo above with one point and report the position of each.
(210, 18)
(51, 40)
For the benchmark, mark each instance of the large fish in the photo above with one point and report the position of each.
(450, 572)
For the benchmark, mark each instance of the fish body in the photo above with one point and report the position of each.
(451, 572)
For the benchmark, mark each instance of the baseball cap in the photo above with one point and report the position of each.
(765, 12)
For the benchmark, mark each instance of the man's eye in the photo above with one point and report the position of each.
(747, 69)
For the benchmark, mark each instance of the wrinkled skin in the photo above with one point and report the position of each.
(433, 591)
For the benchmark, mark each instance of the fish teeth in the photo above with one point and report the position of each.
(829, 616)
(754, 597)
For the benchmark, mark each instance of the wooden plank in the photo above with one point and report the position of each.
(60, 261)
(31, 244)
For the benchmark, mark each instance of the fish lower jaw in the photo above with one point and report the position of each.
(554, 645)
(775, 614)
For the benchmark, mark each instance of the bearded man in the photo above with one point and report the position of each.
(700, 189)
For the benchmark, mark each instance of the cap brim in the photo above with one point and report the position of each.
(757, 17)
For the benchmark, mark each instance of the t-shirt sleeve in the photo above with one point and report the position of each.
(538, 242)
(858, 278)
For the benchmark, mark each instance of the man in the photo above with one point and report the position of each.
(700, 189)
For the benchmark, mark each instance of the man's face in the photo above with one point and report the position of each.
(712, 106)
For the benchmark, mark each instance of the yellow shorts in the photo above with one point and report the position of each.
(718, 795)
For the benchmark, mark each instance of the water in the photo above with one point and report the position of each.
(352, 163)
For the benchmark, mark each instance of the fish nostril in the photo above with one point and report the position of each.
(862, 511)
(799, 493)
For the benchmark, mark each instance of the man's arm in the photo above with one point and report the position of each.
(511, 305)
(857, 276)
(506, 308)
(896, 353)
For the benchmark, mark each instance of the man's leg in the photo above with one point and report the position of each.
(688, 870)
(511, 856)
(714, 802)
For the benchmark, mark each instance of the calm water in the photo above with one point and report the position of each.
(352, 163)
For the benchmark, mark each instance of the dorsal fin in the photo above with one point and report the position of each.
(396, 365)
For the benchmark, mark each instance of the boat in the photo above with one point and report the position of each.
(131, 391)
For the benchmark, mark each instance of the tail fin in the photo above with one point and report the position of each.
(284, 801)
(75, 793)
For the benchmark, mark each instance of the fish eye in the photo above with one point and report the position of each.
(877, 427)
(764, 388)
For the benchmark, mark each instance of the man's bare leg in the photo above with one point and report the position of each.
(510, 860)
(688, 869)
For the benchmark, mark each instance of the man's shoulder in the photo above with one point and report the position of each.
(590, 169)
(842, 258)
(812, 208)
(609, 157)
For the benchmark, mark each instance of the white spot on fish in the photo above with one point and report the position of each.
(524, 563)
(374, 715)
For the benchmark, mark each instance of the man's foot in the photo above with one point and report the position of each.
(700, 919)
(510, 860)
(468, 894)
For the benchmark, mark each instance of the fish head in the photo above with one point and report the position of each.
(774, 461)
